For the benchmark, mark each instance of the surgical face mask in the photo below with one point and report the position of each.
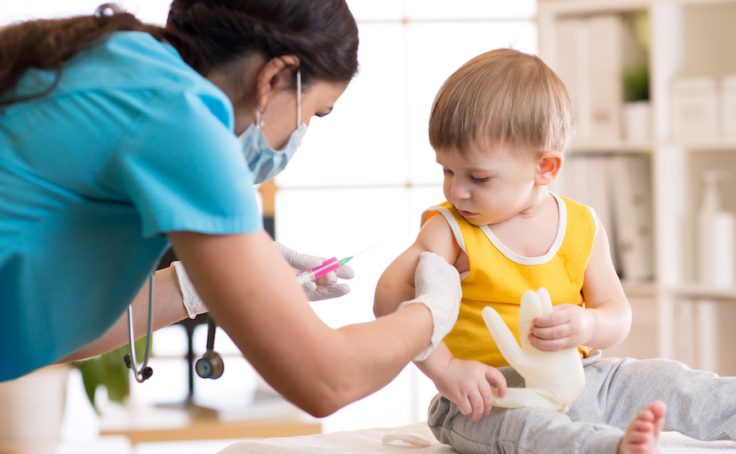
(265, 162)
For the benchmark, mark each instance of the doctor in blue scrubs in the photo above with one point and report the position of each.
(119, 138)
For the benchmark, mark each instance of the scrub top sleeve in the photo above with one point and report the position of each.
(183, 170)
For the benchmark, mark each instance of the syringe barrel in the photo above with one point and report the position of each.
(325, 267)
(318, 271)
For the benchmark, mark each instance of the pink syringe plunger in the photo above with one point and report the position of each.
(322, 269)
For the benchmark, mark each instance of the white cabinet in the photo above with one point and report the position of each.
(689, 49)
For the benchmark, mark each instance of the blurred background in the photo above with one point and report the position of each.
(653, 83)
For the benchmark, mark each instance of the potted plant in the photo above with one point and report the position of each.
(108, 370)
(636, 107)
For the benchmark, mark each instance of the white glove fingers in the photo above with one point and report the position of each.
(345, 272)
(309, 287)
(305, 262)
(323, 292)
(545, 301)
(501, 334)
(531, 306)
(298, 260)
(328, 279)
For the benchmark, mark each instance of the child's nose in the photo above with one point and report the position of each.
(459, 190)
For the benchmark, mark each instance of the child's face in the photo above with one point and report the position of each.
(488, 186)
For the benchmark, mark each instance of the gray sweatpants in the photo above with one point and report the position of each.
(700, 404)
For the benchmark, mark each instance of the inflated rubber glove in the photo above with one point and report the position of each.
(553, 379)
(326, 287)
(437, 286)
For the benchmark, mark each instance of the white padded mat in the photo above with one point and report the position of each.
(371, 441)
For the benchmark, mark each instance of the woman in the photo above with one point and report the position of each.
(118, 138)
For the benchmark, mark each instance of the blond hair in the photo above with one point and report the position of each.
(502, 97)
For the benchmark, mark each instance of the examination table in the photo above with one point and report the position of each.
(420, 440)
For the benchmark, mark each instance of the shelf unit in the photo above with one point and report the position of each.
(686, 38)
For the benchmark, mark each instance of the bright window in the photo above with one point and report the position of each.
(366, 172)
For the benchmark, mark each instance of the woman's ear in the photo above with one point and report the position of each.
(549, 165)
(277, 73)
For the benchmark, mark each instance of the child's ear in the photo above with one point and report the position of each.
(549, 164)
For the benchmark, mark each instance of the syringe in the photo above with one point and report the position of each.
(326, 267)
(322, 269)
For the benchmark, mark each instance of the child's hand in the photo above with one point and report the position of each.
(468, 385)
(566, 327)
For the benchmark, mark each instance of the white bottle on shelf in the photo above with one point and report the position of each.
(715, 235)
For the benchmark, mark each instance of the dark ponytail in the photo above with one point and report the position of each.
(48, 43)
(207, 34)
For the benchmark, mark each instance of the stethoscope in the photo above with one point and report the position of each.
(210, 365)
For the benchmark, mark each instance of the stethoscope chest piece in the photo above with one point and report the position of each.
(210, 365)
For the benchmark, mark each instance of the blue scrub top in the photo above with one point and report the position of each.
(131, 144)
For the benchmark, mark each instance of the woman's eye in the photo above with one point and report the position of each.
(447, 171)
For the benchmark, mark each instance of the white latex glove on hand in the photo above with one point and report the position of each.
(325, 287)
(437, 286)
(553, 379)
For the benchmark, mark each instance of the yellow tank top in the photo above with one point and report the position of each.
(498, 277)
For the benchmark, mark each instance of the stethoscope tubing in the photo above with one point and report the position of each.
(139, 372)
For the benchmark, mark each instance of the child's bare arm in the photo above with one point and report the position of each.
(466, 383)
(604, 323)
(397, 281)
(605, 297)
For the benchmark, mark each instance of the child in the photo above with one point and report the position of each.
(499, 125)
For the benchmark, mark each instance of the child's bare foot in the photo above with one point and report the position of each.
(642, 435)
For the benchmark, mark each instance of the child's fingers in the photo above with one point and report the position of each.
(477, 406)
(552, 319)
(549, 345)
(486, 393)
(552, 332)
(494, 376)
(463, 404)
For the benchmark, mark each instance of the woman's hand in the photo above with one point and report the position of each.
(323, 288)
(567, 326)
(468, 385)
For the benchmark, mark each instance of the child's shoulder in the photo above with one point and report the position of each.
(570, 201)
(578, 209)
(438, 235)
(444, 209)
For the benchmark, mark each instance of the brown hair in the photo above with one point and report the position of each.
(502, 97)
(207, 33)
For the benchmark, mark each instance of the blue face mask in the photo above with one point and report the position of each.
(264, 161)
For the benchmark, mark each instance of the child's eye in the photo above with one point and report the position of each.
(446, 171)
(479, 179)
